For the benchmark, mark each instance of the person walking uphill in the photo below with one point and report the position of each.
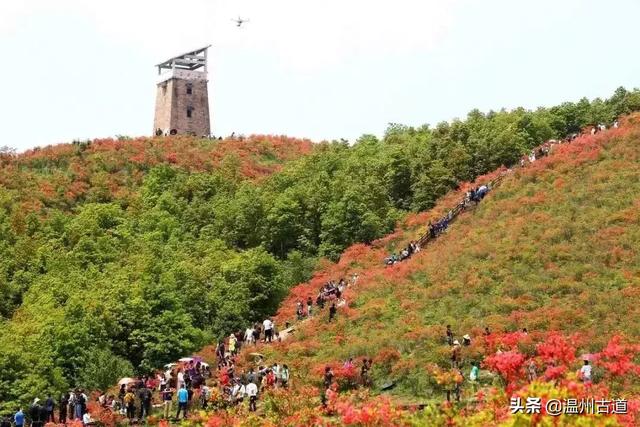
(455, 354)
(232, 344)
(328, 377)
(268, 330)
(309, 306)
(252, 391)
(449, 335)
(332, 311)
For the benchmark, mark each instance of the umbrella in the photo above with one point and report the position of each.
(170, 365)
(126, 381)
(185, 359)
(587, 356)
(256, 355)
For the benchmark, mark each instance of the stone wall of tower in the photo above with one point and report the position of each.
(173, 101)
(164, 102)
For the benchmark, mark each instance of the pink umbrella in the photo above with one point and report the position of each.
(587, 356)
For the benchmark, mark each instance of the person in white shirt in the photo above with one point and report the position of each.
(277, 372)
(268, 330)
(248, 335)
(284, 376)
(585, 372)
(238, 392)
(180, 379)
(252, 392)
(86, 419)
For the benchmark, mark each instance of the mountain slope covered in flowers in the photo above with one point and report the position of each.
(553, 250)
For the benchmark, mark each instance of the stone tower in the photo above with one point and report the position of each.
(182, 100)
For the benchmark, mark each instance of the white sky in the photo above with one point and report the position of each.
(319, 69)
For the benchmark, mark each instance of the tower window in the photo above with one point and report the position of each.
(189, 89)
(189, 111)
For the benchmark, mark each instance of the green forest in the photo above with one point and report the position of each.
(122, 279)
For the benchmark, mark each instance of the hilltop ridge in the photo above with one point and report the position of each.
(65, 175)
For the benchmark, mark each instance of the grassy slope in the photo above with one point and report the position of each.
(553, 248)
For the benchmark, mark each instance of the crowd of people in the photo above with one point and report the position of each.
(434, 229)
(232, 387)
(71, 405)
(192, 386)
(330, 293)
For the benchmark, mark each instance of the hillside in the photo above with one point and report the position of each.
(122, 256)
(98, 241)
(66, 175)
(553, 249)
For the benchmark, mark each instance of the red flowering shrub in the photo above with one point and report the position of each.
(507, 364)
(554, 372)
(374, 412)
(506, 341)
(618, 358)
(556, 350)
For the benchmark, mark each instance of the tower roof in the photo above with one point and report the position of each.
(187, 61)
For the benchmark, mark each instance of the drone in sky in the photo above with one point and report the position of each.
(240, 21)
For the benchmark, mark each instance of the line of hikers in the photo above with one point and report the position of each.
(545, 148)
(266, 332)
(434, 229)
(405, 253)
(457, 362)
(476, 194)
(330, 292)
